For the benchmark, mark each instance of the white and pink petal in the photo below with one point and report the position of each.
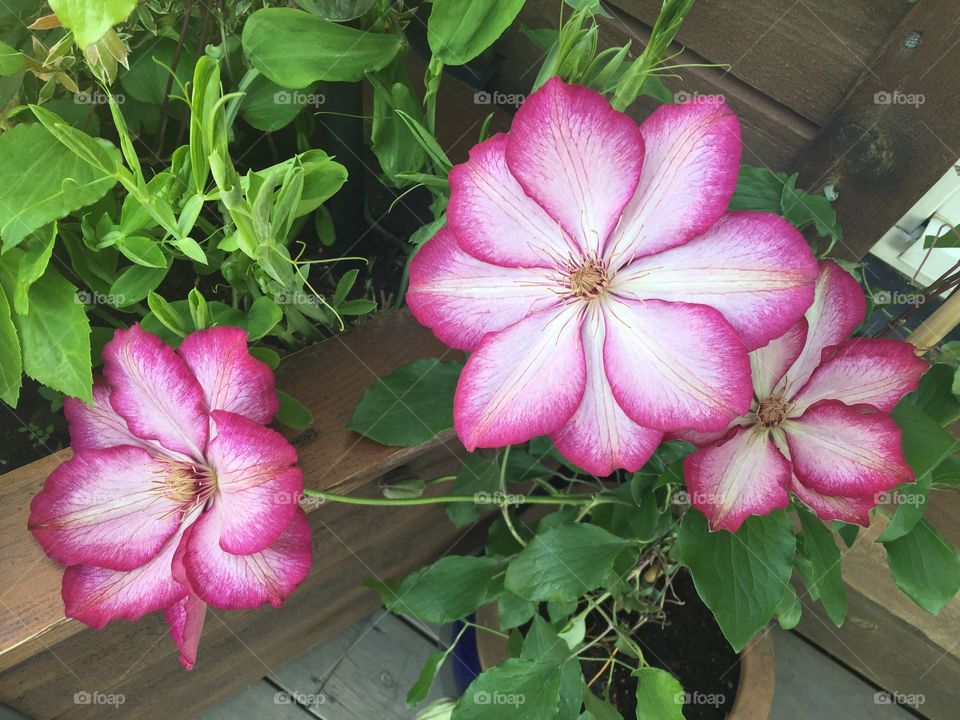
(600, 438)
(853, 510)
(98, 425)
(105, 507)
(577, 157)
(674, 366)
(744, 475)
(864, 371)
(95, 595)
(155, 392)
(838, 308)
(522, 382)
(690, 168)
(462, 298)
(234, 582)
(230, 377)
(494, 220)
(258, 485)
(185, 617)
(755, 268)
(770, 363)
(843, 451)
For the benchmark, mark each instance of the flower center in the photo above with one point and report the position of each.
(187, 484)
(772, 411)
(590, 280)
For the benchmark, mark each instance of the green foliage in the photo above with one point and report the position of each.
(925, 566)
(740, 576)
(409, 406)
(659, 695)
(90, 19)
(458, 32)
(825, 580)
(294, 48)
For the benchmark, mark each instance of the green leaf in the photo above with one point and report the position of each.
(758, 188)
(292, 412)
(148, 76)
(90, 19)
(421, 688)
(911, 501)
(32, 264)
(262, 317)
(11, 60)
(11, 365)
(391, 139)
(572, 689)
(409, 406)
(934, 396)
(267, 356)
(802, 208)
(824, 554)
(789, 609)
(295, 49)
(142, 251)
(478, 474)
(269, 107)
(741, 576)
(360, 306)
(925, 566)
(166, 314)
(54, 334)
(514, 610)
(598, 709)
(458, 31)
(42, 181)
(448, 590)
(135, 283)
(659, 694)
(515, 688)
(199, 312)
(925, 443)
(426, 140)
(564, 562)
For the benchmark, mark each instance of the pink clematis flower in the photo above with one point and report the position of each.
(818, 426)
(591, 267)
(176, 496)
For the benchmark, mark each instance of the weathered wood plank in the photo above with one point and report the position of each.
(47, 658)
(896, 133)
(804, 54)
(773, 134)
(365, 672)
(886, 637)
(259, 701)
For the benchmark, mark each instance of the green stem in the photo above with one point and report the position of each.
(475, 499)
(505, 507)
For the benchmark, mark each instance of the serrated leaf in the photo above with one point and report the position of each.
(449, 589)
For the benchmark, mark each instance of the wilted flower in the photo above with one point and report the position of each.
(176, 496)
(606, 295)
(818, 426)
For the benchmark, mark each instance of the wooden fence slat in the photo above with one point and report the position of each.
(45, 658)
(883, 152)
(805, 54)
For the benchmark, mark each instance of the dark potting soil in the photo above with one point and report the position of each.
(689, 645)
